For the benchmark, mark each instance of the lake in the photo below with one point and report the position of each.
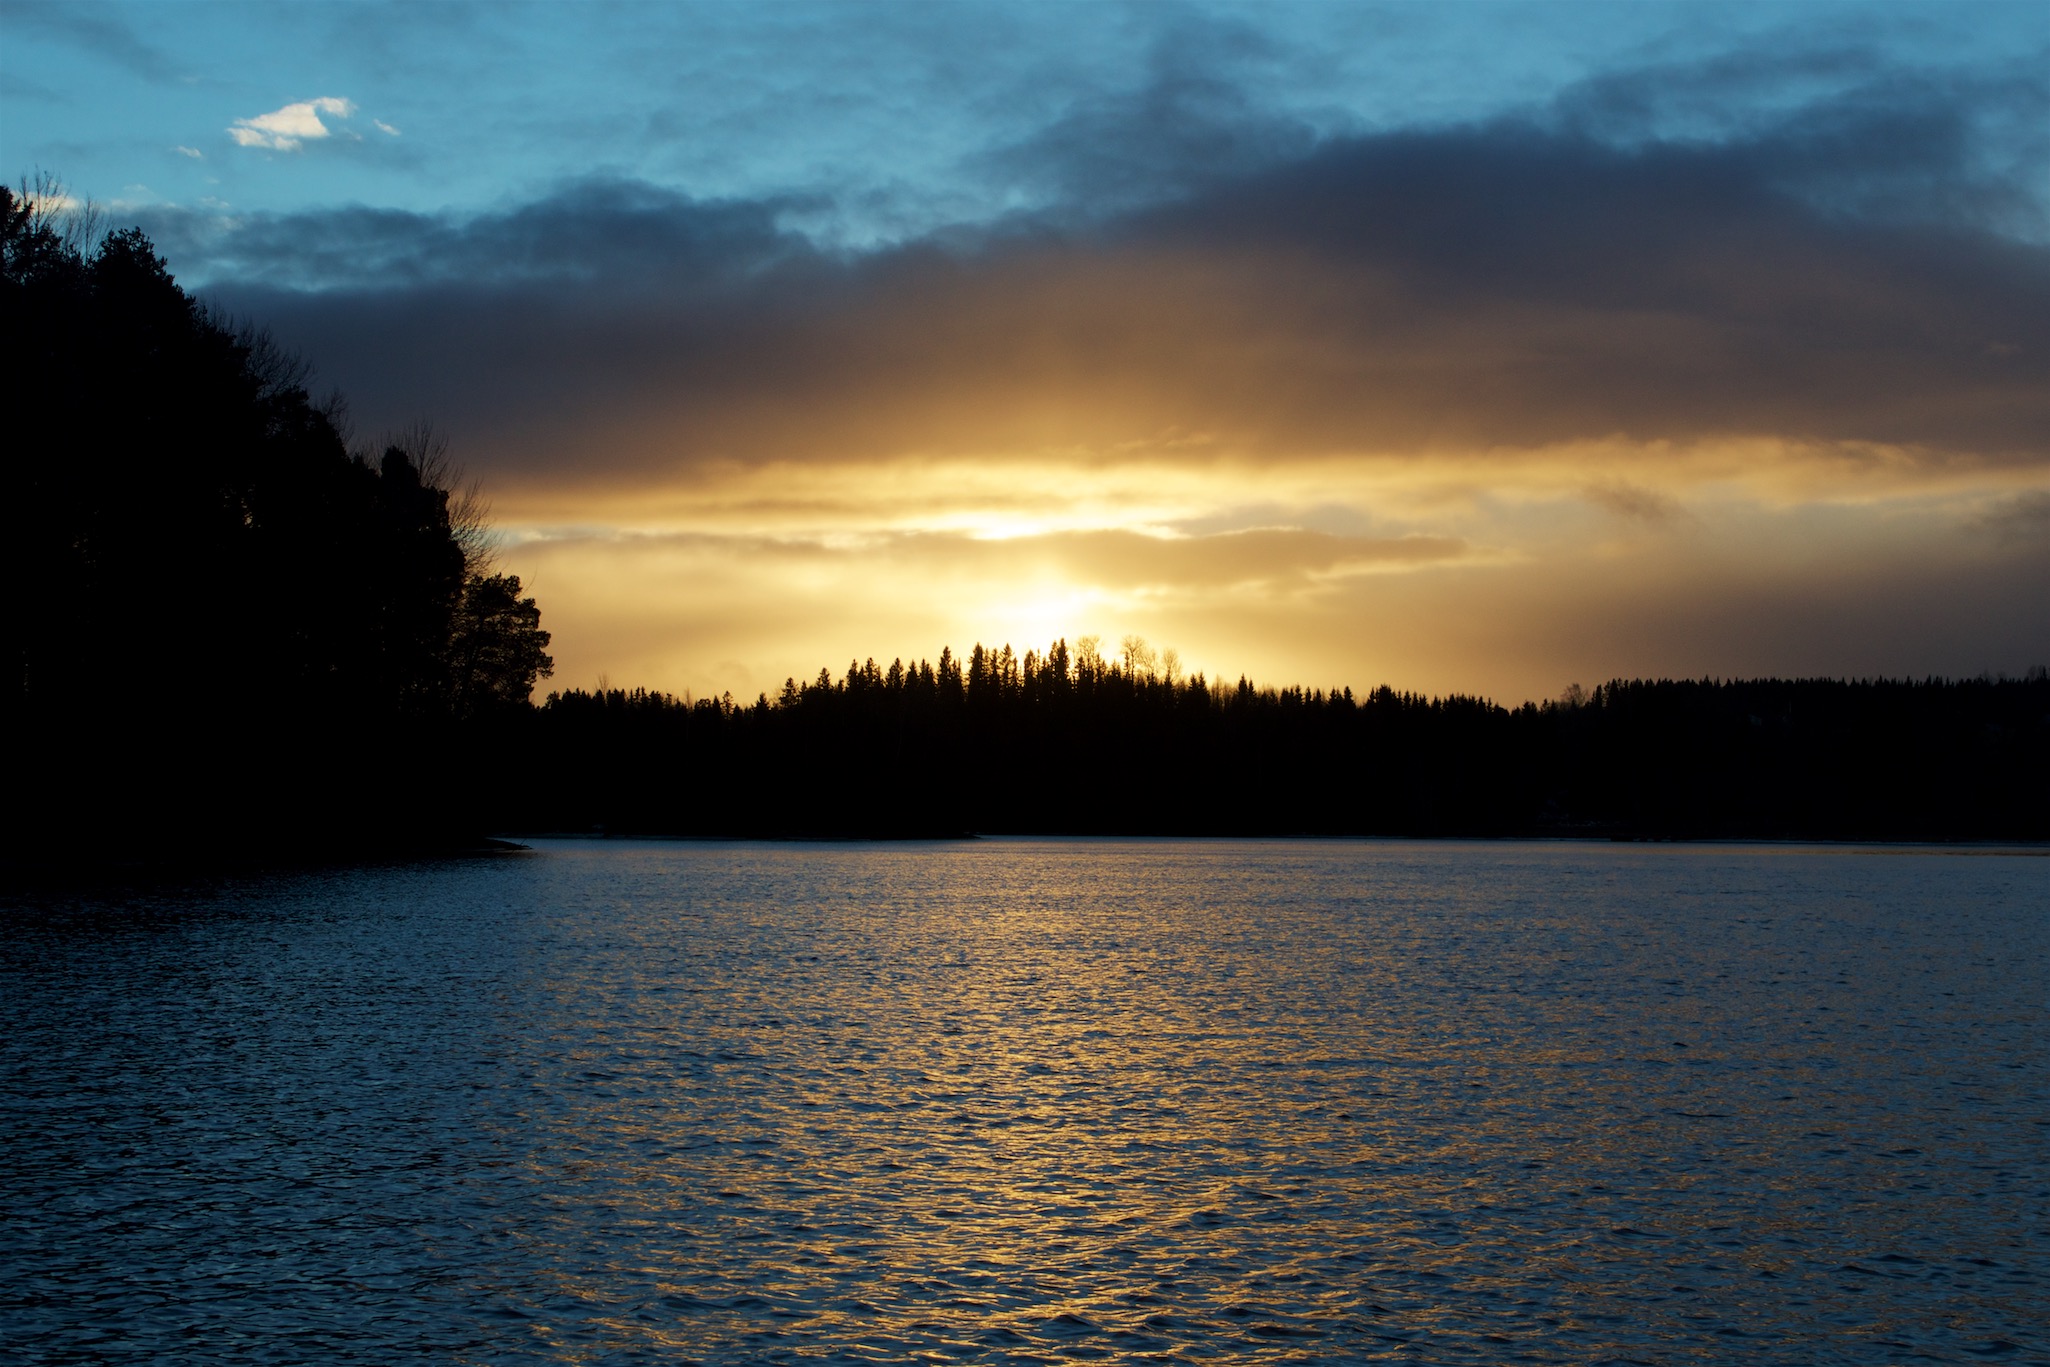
(1037, 1100)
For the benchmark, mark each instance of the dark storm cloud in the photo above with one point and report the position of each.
(1516, 283)
(1849, 271)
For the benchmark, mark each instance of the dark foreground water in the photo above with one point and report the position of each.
(1029, 1101)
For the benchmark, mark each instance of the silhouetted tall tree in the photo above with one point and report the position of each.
(218, 617)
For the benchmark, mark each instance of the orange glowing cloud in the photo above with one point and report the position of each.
(1459, 408)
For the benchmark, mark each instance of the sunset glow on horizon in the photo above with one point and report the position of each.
(1658, 342)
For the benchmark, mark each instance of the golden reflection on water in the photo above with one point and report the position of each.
(1035, 1101)
(1133, 1100)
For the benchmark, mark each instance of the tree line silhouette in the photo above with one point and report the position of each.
(220, 617)
(1070, 741)
(228, 628)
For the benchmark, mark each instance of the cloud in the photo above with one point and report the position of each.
(1631, 502)
(384, 127)
(712, 612)
(1849, 132)
(288, 128)
(741, 596)
(605, 242)
(95, 31)
(17, 87)
(1620, 385)
(2022, 518)
(1506, 286)
(1190, 123)
(192, 152)
(1272, 558)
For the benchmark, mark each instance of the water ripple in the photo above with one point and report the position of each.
(1020, 1101)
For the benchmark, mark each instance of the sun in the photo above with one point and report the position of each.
(1033, 617)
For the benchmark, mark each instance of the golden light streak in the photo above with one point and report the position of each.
(1508, 571)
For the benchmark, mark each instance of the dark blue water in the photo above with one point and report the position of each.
(1037, 1101)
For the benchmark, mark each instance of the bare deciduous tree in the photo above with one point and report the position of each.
(1140, 658)
(469, 513)
(78, 225)
(1088, 656)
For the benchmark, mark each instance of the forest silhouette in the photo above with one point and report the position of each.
(229, 631)
(1072, 742)
(225, 625)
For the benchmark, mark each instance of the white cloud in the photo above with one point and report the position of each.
(384, 127)
(284, 130)
(182, 150)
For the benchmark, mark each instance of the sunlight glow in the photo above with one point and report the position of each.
(1035, 618)
(1491, 570)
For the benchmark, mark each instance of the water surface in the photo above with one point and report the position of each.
(1023, 1101)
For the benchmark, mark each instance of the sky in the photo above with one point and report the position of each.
(1468, 347)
